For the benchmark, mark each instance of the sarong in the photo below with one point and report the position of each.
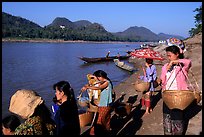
(173, 121)
(103, 121)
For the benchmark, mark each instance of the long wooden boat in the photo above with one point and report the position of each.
(122, 65)
(102, 59)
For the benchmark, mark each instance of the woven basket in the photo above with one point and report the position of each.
(85, 119)
(178, 99)
(142, 86)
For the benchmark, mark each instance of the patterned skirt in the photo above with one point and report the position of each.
(173, 121)
(104, 116)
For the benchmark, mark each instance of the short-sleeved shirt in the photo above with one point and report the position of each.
(106, 96)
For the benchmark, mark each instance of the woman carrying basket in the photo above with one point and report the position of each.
(150, 75)
(173, 77)
(102, 126)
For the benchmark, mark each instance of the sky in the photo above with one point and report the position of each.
(174, 18)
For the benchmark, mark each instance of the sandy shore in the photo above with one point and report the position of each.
(138, 124)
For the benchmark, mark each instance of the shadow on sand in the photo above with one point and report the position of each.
(131, 123)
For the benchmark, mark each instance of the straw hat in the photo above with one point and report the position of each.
(24, 102)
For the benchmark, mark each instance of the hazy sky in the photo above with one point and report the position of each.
(175, 18)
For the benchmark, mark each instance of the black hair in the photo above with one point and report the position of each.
(66, 88)
(175, 50)
(103, 74)
(45, 115)
(149, 61)
(11, 122)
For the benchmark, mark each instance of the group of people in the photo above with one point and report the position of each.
(173, 77)
(39, 121)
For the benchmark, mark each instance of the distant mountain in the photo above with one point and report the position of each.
(14, 26)
(163, 36)
(63, 28)
(142, 33)
(61, 21)
(14, 21)
(82, 23)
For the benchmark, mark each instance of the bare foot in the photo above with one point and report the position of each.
(147, 112)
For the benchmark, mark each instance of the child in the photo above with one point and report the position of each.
(94, 94)
(150, 75)
(9, 124)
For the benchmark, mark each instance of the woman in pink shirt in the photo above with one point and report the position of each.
(173, 78)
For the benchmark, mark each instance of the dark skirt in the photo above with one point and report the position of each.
(173, 121)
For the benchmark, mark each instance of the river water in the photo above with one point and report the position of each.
(38, 66)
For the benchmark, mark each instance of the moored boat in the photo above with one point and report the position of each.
(102, 59)
(122, 65)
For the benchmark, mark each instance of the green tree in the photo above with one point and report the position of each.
(198, 22)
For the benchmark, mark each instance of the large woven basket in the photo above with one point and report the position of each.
(85, 118)
(178, 99)
(141, 86)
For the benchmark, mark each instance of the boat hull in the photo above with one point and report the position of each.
(122, 65)
(102, 59)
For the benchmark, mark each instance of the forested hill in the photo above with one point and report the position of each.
(63, 28)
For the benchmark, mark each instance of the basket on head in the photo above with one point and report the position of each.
(178, 99)
(85, 118)
(142, 86)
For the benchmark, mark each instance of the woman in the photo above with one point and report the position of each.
(66, 118)
(104, 106)
(150, 75)
(30, 106)
(173, 77)
(9, 124)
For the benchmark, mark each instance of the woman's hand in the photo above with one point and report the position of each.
(84, 88)
(172, 63)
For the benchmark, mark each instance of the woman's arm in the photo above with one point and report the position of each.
(163, 75)
(100, 86)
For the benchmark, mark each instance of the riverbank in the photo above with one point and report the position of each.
(63, 41)
(139, 124)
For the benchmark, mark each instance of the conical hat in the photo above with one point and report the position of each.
(24, 102)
